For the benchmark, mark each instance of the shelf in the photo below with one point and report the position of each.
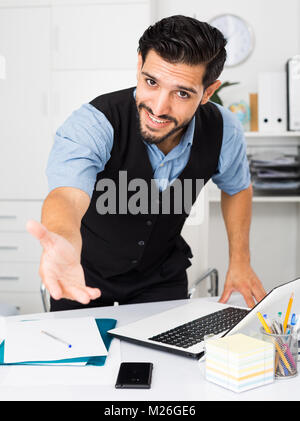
(250, 135)
(262, 199)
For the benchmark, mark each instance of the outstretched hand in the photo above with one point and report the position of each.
(60, 268)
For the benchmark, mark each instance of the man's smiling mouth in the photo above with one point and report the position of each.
(156, 121)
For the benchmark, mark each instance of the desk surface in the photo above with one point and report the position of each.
(175, 378)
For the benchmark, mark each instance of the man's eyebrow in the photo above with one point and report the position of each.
(182, 88)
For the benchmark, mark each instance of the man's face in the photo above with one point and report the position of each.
(167, 96)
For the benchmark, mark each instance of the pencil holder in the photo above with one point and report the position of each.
(286, 352)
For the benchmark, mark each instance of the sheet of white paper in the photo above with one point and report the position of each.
(24, 341)
(35, 376)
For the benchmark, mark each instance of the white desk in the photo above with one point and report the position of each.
(175, 378)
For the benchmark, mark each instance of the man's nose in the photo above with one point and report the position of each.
(161, 105)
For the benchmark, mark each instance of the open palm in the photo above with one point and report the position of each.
(60, 267)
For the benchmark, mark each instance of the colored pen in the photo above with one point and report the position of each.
(293, 323)
(287, 315)
(268, 330)
(293, 319)
(56, 338)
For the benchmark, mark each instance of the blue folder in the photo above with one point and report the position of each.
(103, 326)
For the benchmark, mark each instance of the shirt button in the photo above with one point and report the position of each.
(134, 262)
(149, 223)
(141, 243)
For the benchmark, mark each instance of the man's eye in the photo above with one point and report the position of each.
(151, 82)
(183, 94)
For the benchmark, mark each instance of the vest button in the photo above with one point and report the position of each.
(141, 243)
(149, 223)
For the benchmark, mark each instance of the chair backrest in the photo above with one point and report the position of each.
(195, 232)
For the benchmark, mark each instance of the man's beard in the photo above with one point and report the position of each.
(151, 139)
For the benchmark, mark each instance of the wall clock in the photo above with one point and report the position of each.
(239, 35)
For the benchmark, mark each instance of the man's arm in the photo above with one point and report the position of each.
(62, 212)
(60, 237)
(237, 210)
(81, 149)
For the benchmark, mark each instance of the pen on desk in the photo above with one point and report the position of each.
(56, 338)
(287, 315)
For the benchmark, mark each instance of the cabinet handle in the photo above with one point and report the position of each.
(9, 278)
(8, 248)
(8, 217)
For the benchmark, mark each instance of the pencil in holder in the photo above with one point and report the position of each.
(286, 352)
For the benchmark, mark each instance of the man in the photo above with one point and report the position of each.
(165, 129)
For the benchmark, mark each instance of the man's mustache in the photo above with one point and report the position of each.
(162, 117)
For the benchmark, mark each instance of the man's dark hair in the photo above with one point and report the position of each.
(182, 39)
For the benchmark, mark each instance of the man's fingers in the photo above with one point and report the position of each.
(259, 293)
(249, 299)
(53, 287)
(76, 293)
(71, 292)
(39, 232)
(93, 292)
(226, 295)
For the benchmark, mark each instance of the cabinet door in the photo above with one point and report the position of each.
(25, 133)
(25, 302)
(89, 84)
(102, 36)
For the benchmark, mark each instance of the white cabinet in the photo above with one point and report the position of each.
(24, 112)
(59, 54)
(94, 51)
(25, 133)
(102, 36)
(19, 256)
(89, 84)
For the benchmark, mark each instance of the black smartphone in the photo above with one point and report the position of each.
(134, 376)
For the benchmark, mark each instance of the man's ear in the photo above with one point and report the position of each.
(209, 91)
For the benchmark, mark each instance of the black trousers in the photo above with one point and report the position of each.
(166, 283)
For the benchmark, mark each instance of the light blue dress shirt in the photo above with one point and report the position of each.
(83, 144)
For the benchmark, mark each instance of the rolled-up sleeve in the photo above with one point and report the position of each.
(81, 149)
(233, 174)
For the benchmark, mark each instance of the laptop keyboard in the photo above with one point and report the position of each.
(193, 332)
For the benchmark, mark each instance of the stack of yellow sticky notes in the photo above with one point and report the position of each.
(239, 362)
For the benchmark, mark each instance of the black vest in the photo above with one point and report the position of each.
(113, 244)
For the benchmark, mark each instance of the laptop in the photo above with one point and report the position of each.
(182, 329)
